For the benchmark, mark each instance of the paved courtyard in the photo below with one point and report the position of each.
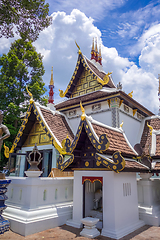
(69, 233)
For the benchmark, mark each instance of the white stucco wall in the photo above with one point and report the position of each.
(37, 204)
(131, 127)
(120, 204)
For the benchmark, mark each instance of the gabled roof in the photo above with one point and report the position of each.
(84, 63)
(105, 148)
(102, 95)
(151, 142)
(52, 122)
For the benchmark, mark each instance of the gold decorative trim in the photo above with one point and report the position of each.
(150, 127)
(105, 79)
(83, 116)
(120, 103)
(117, 163)
(134, 112)
(20, 132)
(130, 94)
(30, 94)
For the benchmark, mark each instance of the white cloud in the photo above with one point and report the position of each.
(95, 9)
(57, 43)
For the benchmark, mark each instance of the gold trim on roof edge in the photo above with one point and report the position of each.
(85, 65)
(45, 128)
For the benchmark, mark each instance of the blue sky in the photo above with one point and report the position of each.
(129, 32)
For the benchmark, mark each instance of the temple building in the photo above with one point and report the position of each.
(103, 136)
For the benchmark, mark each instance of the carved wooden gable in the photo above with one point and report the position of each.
(87, 83)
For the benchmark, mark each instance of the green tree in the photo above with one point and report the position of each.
(20, 67)
(24, 17)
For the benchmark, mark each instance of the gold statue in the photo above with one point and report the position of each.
(4, 133)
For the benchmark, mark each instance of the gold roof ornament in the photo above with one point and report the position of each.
(105, 79)
(79, 51)
(121, 124)
(150, 127)
(130, 94)
(93, 45)
(30, 94)
(61, 93)
(6, 151)
(96, 48)
(51, 81)
(83, 116)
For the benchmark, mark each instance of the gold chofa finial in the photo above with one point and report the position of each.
(51, 81)
(31, 96)
(79, 51)
(150, 127)
(121, 124)
(130, 94)
(83, 116)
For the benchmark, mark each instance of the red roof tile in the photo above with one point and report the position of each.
(116, 139)
(57, 124)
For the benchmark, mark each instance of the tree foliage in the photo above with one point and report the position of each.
(24, 17)
(20, 67)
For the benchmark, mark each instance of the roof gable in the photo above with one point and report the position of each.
(51, 122)
(86, 78)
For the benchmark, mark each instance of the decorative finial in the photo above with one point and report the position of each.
(121, 124)
(51, 86)
(93, 51)
(150, 127)
(105, 79)
(51, 81)
(83, 116)
(30, 94)
(130, 94)
(79, 51)
(96, 49)
(93, 45)
(61, 93)
(100, 57)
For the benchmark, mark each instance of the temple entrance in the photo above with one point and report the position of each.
(92, 201)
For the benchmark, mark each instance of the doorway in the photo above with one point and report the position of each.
(92, 201)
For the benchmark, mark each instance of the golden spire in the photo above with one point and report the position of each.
(96, 49)
(93, 45)
(51, 81)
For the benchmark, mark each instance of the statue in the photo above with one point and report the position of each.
(3, 130)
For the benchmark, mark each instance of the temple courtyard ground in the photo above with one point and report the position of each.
(69, 233)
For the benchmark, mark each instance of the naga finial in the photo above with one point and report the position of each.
(151, 128)
(30, 94)
(121, 124)
(61, 93)
(79, 51)
(130, 94)
(83, 116)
